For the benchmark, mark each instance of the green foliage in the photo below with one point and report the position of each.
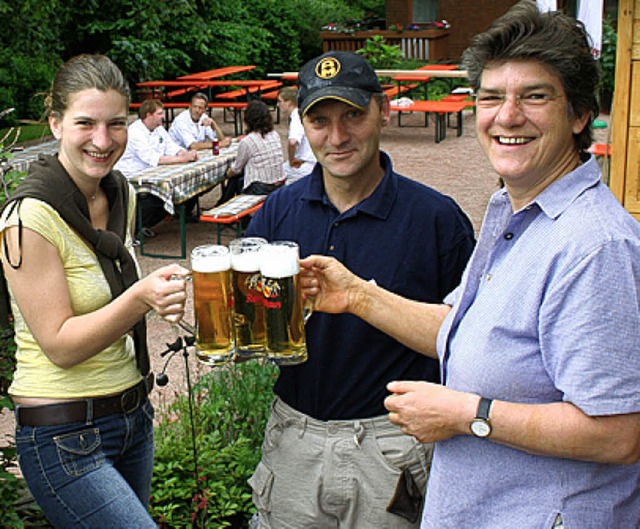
(231, 409)
(158, 39)
(608, 57)
(381, 55)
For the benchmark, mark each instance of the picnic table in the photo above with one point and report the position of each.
(215, 73)
(432, 70)
(194, 78)
(189, 86)
(175, 184)
(441, 109)
(22, 159)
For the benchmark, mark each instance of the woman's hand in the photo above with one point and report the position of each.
(165, 291)
(430, 412)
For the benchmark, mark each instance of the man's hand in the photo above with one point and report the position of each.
(327, 283)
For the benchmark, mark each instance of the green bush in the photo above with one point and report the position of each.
(608, 63)
(231, 407)
(380, 55)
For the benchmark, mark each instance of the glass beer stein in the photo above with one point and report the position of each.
(286, 340)
(213, 304)
(247, 297)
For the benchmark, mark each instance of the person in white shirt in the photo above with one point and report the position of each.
(301, 158)
(149, 145)
(194, 129)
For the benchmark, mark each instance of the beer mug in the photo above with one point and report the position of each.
(213, 304)
(286, 340)
(247, 297)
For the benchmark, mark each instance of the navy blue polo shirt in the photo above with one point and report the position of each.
(410, 239)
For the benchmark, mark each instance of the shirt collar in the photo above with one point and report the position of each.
(557, 197)
(378, 204)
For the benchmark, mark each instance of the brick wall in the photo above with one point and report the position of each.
(467, 17)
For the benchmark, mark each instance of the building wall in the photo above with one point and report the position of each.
(467, 17)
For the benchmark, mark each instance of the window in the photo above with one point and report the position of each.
(425, 11)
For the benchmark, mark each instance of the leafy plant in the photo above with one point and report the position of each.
(379, 54)
(230, 413)
(608, 60)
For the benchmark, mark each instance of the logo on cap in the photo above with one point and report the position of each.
(328, 68)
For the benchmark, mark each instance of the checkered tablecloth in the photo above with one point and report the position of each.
(175, 184)
(22, 159)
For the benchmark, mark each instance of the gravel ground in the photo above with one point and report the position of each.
(456, 167)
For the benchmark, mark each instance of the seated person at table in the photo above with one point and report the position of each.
(258, 167)
(301, 158)
(149, 145)
(194, 129)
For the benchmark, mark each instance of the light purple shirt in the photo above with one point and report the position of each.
(548, 310)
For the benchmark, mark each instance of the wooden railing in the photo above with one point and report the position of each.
(426, 45)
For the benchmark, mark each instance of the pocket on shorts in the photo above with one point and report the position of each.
(400, 452)
(261, 484)
(80, 452)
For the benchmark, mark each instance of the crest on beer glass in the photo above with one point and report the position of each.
(213, 304)
(248, 300)
(286, 340)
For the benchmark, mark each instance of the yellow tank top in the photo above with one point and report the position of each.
(113, 369)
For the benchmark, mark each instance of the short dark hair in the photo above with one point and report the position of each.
(149, 106)
(552, 38)
(289, 93)
(258, 117)
(200, 95)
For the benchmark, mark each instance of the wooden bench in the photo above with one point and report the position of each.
(601, 149)
(232, 212)
(246, 92)
(441, 109)
(395, 91)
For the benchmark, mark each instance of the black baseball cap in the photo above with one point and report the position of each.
(341, 75)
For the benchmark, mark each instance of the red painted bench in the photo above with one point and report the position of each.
(395, 91)
(232, 212)
(440, 108)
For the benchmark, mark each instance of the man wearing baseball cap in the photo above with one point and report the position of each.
(331, 458)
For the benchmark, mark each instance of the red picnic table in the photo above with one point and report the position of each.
(215, 73)
(423, 75)
(441, 109)
(198, 78)
(260, 84)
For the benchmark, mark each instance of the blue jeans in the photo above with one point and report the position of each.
(95, 475)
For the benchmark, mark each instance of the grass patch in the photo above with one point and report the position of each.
(29, 132)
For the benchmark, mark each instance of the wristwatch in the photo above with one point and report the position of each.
(480, 426)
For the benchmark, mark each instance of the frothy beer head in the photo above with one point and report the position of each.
(210, 258)
(245, 254)
(279, 259)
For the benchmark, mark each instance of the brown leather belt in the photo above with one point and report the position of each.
(85, 410)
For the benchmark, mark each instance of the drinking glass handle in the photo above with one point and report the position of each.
(307, 310)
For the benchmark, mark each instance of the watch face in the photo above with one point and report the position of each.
(480, 428)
